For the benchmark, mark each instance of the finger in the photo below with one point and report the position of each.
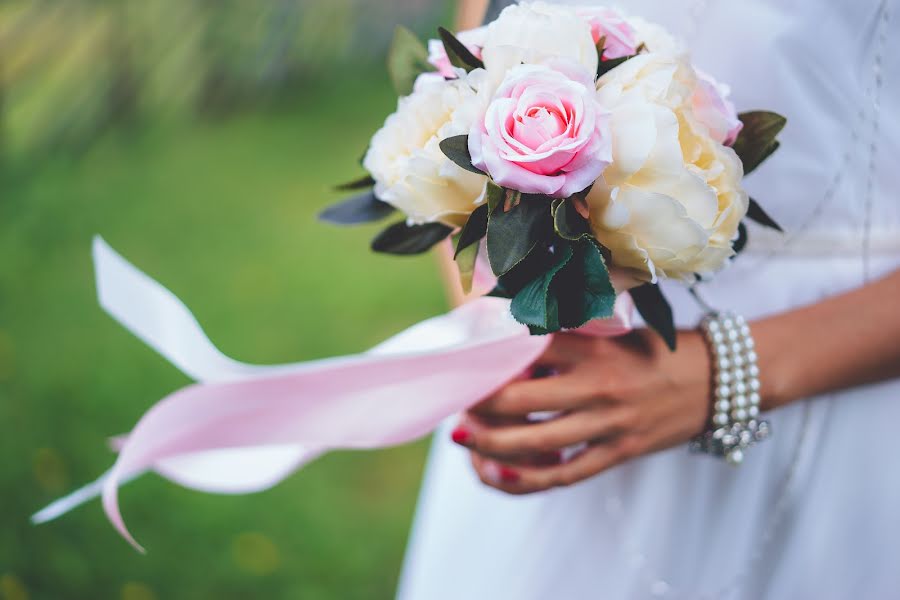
(521, 479)
(544, 436)
(565, 350)
(520, 398)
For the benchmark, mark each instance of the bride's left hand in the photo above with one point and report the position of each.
(619, 398)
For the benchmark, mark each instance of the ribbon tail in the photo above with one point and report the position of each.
(73, 500)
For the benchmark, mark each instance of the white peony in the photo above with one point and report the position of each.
(670, 203)
(534, 32)
(404, 157)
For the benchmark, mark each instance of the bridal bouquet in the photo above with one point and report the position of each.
(583, 146)
(580, 150)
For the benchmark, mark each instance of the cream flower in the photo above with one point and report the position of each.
(671, 201)
(534, 32)
(410, 170)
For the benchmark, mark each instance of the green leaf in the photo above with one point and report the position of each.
(500, 197)
(534, 305)
(756, 141)
(512, 234)
(401, 238)
(583, 288)
(366, 181)
(605, 66)
(741, 241)
(567, 222)
(756, 213)
(456, 148)
(457, 52)
(465, 262)
(363, 208)
(474, 229)
(407, 59)
(655, 310)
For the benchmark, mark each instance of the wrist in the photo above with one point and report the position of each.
(776, 375)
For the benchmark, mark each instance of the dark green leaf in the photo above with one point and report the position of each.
(655, 310)
(401, 238)
(567, 222)
(534, 305)
(457, 52)
(496, 196)
(512, 234)
(362, 183)
(363, 208)
(756, 213)
(605, 66)
(456, 148)
(741, 240)
(474, 229)
(756, 141)
(465, 262)
(407, 59)
(583, 288)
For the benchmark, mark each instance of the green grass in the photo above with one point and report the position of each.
(222, 213)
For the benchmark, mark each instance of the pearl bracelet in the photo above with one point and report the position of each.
(734, 425)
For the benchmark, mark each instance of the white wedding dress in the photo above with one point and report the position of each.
(814, 512)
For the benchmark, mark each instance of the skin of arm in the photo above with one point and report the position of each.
(629, 396)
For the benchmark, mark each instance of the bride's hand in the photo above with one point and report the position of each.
(618, 398)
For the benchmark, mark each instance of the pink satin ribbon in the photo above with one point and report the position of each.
(244, 428)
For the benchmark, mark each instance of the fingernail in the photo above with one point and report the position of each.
(508, 475)
(460, 435)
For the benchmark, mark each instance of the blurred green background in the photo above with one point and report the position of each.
(200, 138)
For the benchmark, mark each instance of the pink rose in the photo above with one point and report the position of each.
(714, 110)
(544, 131)
(473, 39)
(607, 22)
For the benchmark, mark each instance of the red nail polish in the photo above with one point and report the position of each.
(509, 475)
(460, 435)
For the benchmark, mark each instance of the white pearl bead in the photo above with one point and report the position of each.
(754, 398)
(723, 377)
(739, 320)
(718, 337)
(733, 335)
(736, 348)
(740, 400)
(745, 331)
(739, 414)
(720, 419)
(723, 392)
(753, 411)
(749, 343)
(727, 323)
(721, 349)
(753, 371)
(735, 457)
(740, 388)
(738, 373)
(751, 356)
(713, 325)
(738, 361)
(723, 363)
(754, 385)
(722, 406)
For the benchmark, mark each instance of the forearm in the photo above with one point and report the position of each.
(470, 13)
(849, 340)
